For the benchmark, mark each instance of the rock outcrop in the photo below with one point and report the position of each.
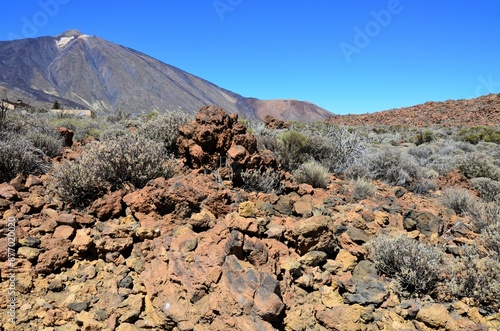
(216, 140)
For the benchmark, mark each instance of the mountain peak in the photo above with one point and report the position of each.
(64, 38)
(70, 33)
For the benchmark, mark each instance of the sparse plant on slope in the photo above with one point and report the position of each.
(415, 265)
(164, 128)
(313, 173)
(362, 189)
(18, 155)
(475, 165)
(109, 165)
(458, 199)
(489, 189)
(260, 180)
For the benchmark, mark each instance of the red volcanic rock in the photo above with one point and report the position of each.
(215, 139)
(68, 135)
(274, 124)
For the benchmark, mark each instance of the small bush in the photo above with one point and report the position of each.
(164, 128)
(423, 136)
(334, 147)
(458, 199)
(483, 214)
(362, 189)
(476, 134)
(49, 144)
(290, 149)
(415, 265)
(490, 238)
(313, 173)
(475, 165)
(394, 167)
(18, 155)
(476, 277)
(489, 189)
(109, 165)
(260, 180)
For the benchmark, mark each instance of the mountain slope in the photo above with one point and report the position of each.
(484, 110)
(86, 71)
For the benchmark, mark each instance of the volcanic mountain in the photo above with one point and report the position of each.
(483, 110)
(87, 72)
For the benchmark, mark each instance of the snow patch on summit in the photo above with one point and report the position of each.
(63, 41)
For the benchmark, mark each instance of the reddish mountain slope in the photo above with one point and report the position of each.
(484, 110)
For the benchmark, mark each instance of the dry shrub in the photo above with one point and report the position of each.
(416, 266)
(312, 173)
(109, 165)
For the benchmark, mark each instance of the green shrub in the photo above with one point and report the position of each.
(164, 128)
(289, 148)
(423, 136)
(313, 173)
(18, 155)
(476, 134)
(458, 199)
(414, 265)
(489, 189)
(82, 127)
(260, 180)
(109, 165)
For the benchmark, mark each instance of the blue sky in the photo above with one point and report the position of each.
(346, 56)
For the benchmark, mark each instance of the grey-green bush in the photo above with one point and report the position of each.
(362, 189)
(413, 264)
(18, 155)
(489, 189)
(109, 165)
(483, 214)
(313, 173)
(164, 128)
(476, 276)
(260, 180)
(458, 199)
(475, 165)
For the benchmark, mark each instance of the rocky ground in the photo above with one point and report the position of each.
(484, 110)
(195, 253)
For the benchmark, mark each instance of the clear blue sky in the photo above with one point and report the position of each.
(346, 56)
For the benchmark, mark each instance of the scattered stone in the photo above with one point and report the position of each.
(313, 258)
(78, 306)
(247, 209)
(31, 254)
(8, 191)
(436, 316)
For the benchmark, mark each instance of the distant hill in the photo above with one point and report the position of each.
(87, 72)
(484, 110)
